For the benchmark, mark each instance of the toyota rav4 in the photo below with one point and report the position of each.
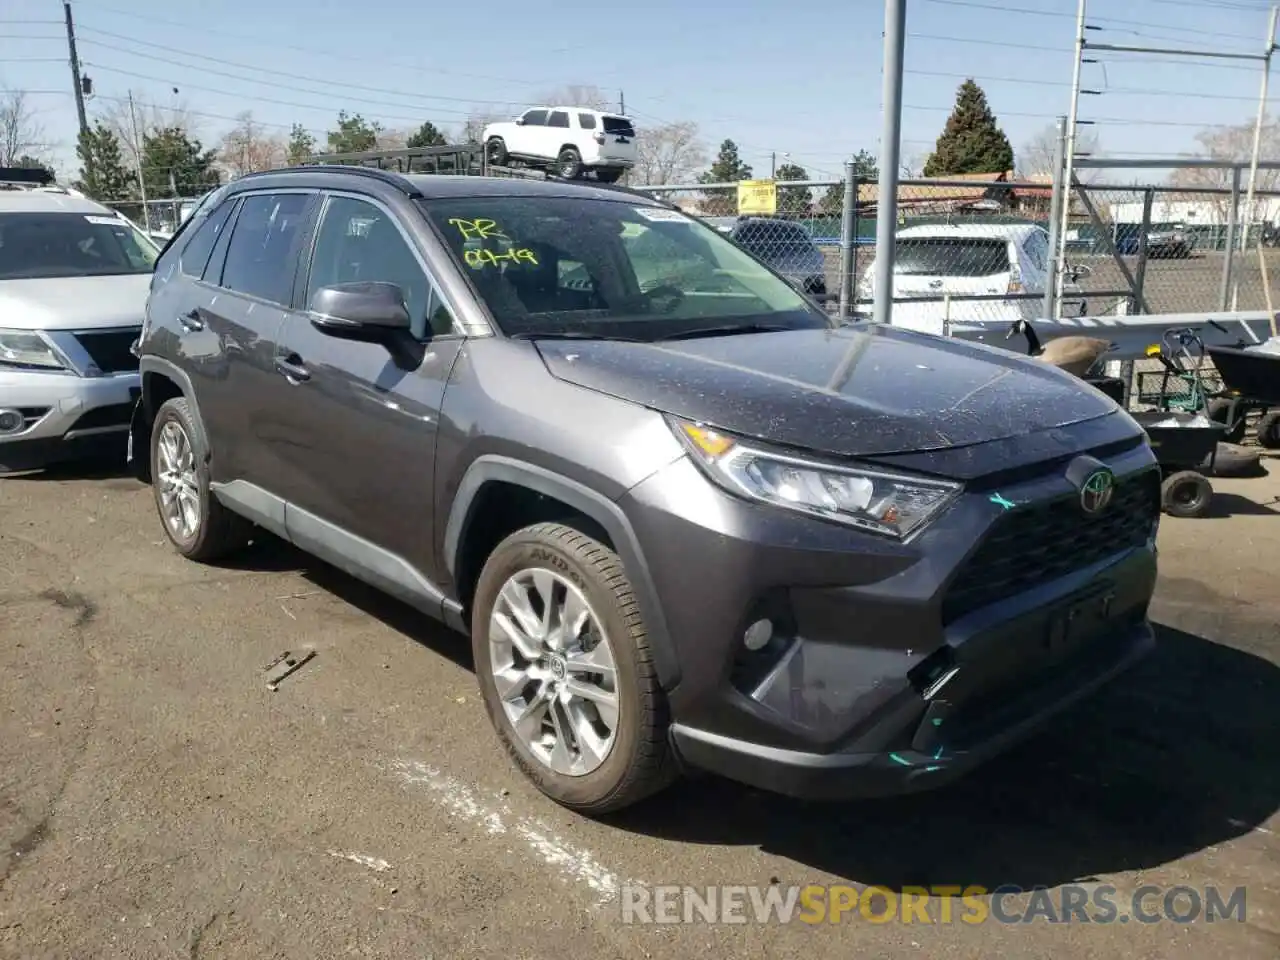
(688, 520)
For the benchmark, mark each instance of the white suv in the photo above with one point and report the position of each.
(74, 277)
(567, 140)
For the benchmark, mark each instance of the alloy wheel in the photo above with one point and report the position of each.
(176, 481)
(554, 671)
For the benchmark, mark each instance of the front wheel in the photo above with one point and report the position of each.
(1268, 430)
(569, 164)
(199, 526)
(566, 672)
(1186, 494)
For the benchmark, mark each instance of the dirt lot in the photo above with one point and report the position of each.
(156, 800)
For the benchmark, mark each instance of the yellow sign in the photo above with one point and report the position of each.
(758, 197)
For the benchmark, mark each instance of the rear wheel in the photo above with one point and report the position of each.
(495, 151)
(197, 524)
(569, 163)
(1268, 430)
(1186, 494)
(565, 670)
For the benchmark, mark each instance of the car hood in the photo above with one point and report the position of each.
(74, 303)
(869, 390)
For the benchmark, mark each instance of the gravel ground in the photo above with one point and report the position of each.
(157, 800)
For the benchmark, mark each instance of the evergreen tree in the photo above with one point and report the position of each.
(354, 134)
(301, 147)
(426, 135)
(972, 141)
(103, 173)
(175, 165)
(726, 168)
(795, 201)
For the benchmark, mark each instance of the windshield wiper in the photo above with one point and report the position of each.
(728, 329)
(570, 335)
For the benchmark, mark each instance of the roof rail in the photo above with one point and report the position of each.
(390, 177)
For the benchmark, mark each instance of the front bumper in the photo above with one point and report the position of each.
(897, 669)
(65, 416)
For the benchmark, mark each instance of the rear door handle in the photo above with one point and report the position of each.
(191, 321)
(292, 368)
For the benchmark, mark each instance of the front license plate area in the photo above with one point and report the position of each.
(1075, 623)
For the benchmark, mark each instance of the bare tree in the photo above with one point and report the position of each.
(473, 129)
(248, 148)
(21, 135)
(578, 95)
(1035, 159)
(672, 153)
(1231, 145)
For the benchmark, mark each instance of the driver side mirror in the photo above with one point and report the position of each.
(371, 311)
(519, 121)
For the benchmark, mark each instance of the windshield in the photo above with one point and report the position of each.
(606, 268)
(951, 256)
(71, 245)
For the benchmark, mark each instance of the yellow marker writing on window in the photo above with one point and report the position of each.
(481, 229)
(490, 258)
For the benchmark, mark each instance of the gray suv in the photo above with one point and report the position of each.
(688, 521)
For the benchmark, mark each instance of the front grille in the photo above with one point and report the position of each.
(109, 349)
(1043, 541)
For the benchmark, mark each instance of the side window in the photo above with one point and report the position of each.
(535, 118)
(195, 255)
(359, 241)
(259, 258)
(587, 121)
(558, 119)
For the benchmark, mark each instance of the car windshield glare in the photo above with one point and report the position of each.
(610, 268)
(47, 245)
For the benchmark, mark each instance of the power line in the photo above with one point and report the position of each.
(1063, 14)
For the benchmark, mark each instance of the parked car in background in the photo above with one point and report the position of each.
(688, 519)
(1164, 243)
(1006, 264)
(568, 141)
(73, 289)
(785, 246)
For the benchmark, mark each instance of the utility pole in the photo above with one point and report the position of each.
(1257, 146)
(1059, 252)
(622, 103)
(76, 79)
(137, 152)
(895, 39)
(773, 165)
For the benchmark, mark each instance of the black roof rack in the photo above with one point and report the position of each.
(27, 176)
(390, 177)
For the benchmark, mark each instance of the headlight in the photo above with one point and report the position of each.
(21, 348)
(874, 500)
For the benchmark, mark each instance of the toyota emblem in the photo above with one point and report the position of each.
(1097, 490)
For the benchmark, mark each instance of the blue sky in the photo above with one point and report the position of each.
(800, 79)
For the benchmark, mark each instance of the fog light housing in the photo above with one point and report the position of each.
(11, 421)
(765, 635)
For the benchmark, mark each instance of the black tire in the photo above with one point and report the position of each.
(1219, 410)
(1268, 430)
(218, 532)
(1232, 460)
(495, 151)
(640, 761)
(569, 164)
(609, 174)
(1186, 494)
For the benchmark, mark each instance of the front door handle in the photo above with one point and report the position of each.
(293, 368)
(191, 321)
